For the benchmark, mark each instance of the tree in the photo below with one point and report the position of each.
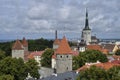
(117, 52)
(14, 67)
(2, 54)
(32, 68)
(114, 73)
(46, 58)
(93, 73)
(6, 77)
(88, 56)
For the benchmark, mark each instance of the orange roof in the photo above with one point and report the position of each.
(57, 41)
(24, 42)
(35, 53)
(105, 51)
(94, 47)
(105, 66)
(64, 47)
(17, 45)
(116, 57)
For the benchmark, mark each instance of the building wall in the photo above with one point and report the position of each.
(55, 46)
(87, 36)
(82, 49)
(63, 63)
(53, 63)
(25, 48)
(18, 54)
(38, 58)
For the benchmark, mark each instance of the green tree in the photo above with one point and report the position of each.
(93, 73)
(88, 56)
(6, 77)
(32, 68)
(114, 73)
(46, 58)
(2, 54)
(117, 52)
(14, 67)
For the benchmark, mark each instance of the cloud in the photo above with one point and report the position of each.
(68, 16)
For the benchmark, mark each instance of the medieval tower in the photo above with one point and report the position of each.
(19, 49)
(86, 32)
(63, 57)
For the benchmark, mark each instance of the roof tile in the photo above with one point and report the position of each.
(64, 47)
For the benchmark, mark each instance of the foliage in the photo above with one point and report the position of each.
(17, 68)
(114, 73)
(93, 73)
(39, 44)
(46, 58)
(2, 54)
(88, 56)
(6, 47)
(117, 52)
(32, 68)
(6, 77)
(14, 67)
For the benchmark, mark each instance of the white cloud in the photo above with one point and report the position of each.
(38, 16)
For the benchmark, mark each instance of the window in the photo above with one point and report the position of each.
(67, 56)
(60, 56)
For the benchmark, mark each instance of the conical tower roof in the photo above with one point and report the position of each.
(64, 47)
(24, 42)
(17, 45)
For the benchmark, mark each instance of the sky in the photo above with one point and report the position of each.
(40, 18)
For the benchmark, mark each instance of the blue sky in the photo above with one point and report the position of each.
(40, 18)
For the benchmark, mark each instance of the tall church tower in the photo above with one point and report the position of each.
(86, 32)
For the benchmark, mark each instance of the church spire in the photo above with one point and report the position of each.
(86, 21)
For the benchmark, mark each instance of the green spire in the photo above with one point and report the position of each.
(86, 21)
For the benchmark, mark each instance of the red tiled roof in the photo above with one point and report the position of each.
(97, 47)
(116, 61)
(64, 47)
(94, 47)
(35, 53)
(105, 66)
(57, 41)
(116, 57)
(24, 42)
(17, 45)
(75, 53)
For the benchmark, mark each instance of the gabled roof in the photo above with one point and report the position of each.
(105, 66)
(57, 42)
(109, 47)
(35, 53)
(64, 47)
(17, 45)
(24, 42)
(94, 47)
